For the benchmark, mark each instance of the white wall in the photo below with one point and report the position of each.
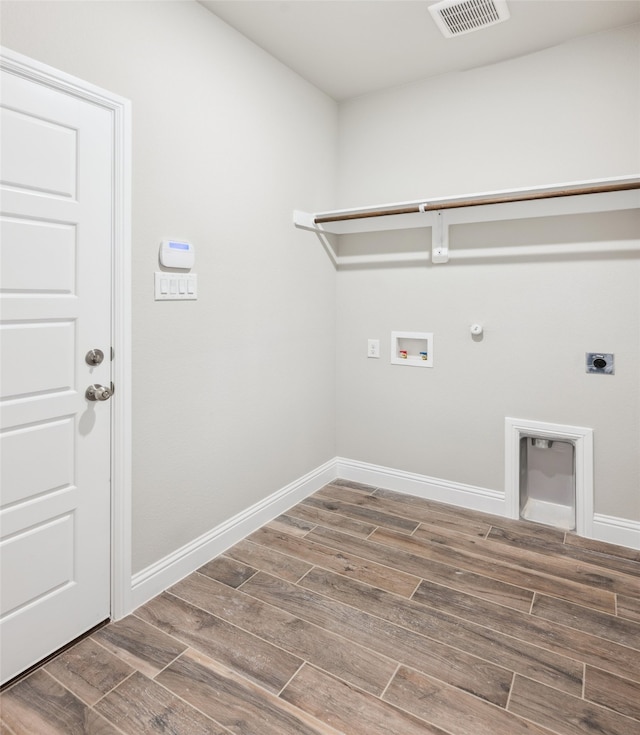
(233, 395)
(567, 113)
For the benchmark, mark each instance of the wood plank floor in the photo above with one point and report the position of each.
(364, 612)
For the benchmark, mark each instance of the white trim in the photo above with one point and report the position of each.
(121, 338)
(423, 486)
(172, 568)
(120, 109)
(580, 437)
(159, 576)
(620, 531)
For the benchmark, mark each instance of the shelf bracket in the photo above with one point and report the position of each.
(440, 239)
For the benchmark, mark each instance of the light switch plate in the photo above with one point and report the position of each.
(373, 348)
(176, 286)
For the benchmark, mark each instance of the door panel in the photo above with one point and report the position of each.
(52, 443)
(26, 142)
(51, 245)
(55, 218)
(47, 573)
(46, 357)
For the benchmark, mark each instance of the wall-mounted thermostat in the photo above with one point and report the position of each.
(177, 254)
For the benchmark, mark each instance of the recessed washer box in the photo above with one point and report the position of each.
(412, 348)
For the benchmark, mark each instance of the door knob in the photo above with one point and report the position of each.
(98, 392)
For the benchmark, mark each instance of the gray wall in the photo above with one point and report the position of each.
(234, 394)
(564, 114)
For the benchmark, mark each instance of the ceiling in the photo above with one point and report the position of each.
(351, 47)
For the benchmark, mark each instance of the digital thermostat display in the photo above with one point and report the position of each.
(177, 254)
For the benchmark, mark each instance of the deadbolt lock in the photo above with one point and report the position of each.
(94, 357)
(98, 392)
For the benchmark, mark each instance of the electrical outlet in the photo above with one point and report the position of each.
(373, 348)
(600, 362)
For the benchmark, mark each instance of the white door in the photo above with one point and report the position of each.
(55, 291)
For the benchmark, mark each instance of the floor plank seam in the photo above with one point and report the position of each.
(318, 566)
(483, 703)
(173, 660)
(583, 631)
(598, 708)
(513, 678)
(391, 678)
(330, 552)
(234, 625)
(305, 574)
(291, 678)
(564, 626)
(109, 722)
(415, 589)
(549, 649)
(452, 566)
(437, 641)
(470, 560)
(185, 701)
(163, 632)
(393, 705)
(9, 730)
(325, 496)
(279, 646)
(74, 694)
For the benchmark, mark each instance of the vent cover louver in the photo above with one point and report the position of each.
(455, 17)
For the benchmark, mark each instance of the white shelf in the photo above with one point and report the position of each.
(578, 197)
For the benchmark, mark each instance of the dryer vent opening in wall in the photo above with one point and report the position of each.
(549, 474)
(548, 482)
(456, 17)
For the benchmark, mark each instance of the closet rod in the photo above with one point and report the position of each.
(458, 203)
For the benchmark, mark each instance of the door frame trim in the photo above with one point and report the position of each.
(120, 109)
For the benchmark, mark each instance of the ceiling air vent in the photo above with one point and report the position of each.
(455, 17)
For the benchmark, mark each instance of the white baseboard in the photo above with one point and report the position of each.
(423, 486)
(618, 531)
(172, 568)
(159, 576)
